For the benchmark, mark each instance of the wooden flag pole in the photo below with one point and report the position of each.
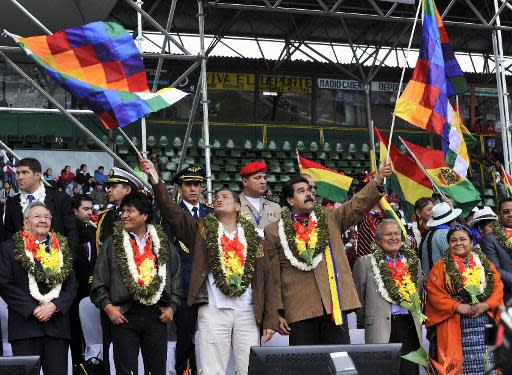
(422, 168)
(402, 77)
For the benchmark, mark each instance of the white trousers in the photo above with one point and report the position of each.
(221, 330)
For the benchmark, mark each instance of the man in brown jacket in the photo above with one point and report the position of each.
(230, 278)
(298, 246)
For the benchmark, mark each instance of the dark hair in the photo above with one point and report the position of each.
(140, 202)
(287, 190)
(457, 228)
(483, 223)
(82, 166)
(421, 203)
(503, 201)
(32, 163)
(101, 167)
(236, 196)
(76, 200)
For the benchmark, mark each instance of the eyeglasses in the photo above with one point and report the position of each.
(42, 217)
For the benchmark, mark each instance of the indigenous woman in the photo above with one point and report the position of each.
(464, 291)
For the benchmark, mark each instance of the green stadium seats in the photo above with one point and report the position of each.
(275, 169)
(123, 150)
(119, 140)
(151, 141)
(490, 202)
(104, 138)
(163, 141)
(327, 147)
(266, 154)
(489, 193)
(231, 168)
(171, 166)
(339, 147)
(272, 145)
(352, 148)
(236, 153)
(321, 155)
(403, 149)
(271, 178)
(175, 143)
(216, 144)
(224, 177)
(284, 178)
(281, 155)
(169, 152)
(216, 167)
(135, 141)
(287, 146)
(234, 186)
(334, 156)
(288, 163)
(219, 152)
(248, 145)
(365, 148)
(166, 176)
(289, 169)
(313, 146)
(230, 144)
(190, 142)
(300, 145)
(259, 145)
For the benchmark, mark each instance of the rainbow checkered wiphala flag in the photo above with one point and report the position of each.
(100, 65)
(437, 75)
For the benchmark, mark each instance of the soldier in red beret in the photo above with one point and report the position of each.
(255, 207)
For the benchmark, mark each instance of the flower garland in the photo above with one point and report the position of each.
(39, 195)
(144, 275)
(504, 240)
(398, 283)
(55, 265)
(473, 283)
(231, 261)
(304, 247)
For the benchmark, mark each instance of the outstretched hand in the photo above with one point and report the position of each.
(148, 168)
(383, 172)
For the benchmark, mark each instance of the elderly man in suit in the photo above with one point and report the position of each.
(385, 320)
(497, 246)
(306, 252)
(38, 284)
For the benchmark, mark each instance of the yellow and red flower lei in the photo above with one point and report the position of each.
(145, 262)
(403, 279)
(50, 261)
(471, 276)
(306, 238)
(233, 260)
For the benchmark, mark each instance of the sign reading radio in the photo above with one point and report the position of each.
(302, 85)
(346, 84)
(231, 81)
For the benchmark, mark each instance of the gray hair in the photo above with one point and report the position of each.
(26, 211)
(380, 225)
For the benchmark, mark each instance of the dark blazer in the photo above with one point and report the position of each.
(190, 231)
(63, 219)
(501, 259)
(15, 292)
(84, 267)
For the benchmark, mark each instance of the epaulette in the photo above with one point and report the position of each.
(104, 211)
(209, 205)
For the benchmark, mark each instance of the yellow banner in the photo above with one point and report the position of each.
(286, 84)
(231, 81)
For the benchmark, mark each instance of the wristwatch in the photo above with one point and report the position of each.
(380, 187)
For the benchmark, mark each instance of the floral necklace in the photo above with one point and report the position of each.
(502, 237)
(398, 281)
(231, 261)
(144, 274)
(51, 268)
(304, 246)
(469, 281)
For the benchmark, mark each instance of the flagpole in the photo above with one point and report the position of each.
(422, 168)
(402, 76)
(139, 155)
(298, 159)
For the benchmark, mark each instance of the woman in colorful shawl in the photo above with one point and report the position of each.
(464, 291)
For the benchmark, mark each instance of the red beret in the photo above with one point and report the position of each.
(252, 168)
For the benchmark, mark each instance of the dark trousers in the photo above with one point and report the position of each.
(185, 320)
(77, 336)
(403, 331)
(53, 352)
(143, 331)
(107, 339)
(320, 330)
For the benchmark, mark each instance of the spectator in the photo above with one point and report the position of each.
(482, 223)
(49, 178)
(456, 316)
(5, 193)
(83, 176)
(99, 195)
(66, 176)
(434, 243)
(10, 173)
(70, 188)
(99, 177)
(422, 214)
(89, 186)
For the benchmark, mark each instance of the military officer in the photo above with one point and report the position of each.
(255, 207)
(120, 183)
(190, 182)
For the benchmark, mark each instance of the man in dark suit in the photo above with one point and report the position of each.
(31, 190)
(190, 182)
(37, 291)
(498, 249)
(84, 267)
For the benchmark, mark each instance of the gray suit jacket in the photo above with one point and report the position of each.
(375, 312)
(501, 259)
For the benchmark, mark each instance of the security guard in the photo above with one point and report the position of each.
(255, 207)
(190, 182)
(120, 184)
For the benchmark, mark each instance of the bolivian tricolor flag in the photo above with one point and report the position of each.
(329, 184)
(507, 180)
(407, 181)
(456, 187)
(391, 214)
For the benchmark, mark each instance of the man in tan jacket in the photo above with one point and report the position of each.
(298, 245)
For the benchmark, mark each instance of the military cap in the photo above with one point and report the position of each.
(192, 173)
(253, 168)
(119, 176)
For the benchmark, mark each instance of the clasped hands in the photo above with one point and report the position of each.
(44, 311)
(472, 311)
(116, 316)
